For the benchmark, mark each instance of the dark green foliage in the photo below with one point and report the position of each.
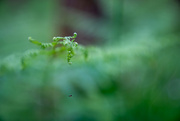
(132, 75)
(117, 83)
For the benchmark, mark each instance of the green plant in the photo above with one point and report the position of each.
(59, 46)
(59, 49)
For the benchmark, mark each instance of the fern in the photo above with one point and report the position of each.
(59, 44)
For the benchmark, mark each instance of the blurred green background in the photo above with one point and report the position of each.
(132, 72)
